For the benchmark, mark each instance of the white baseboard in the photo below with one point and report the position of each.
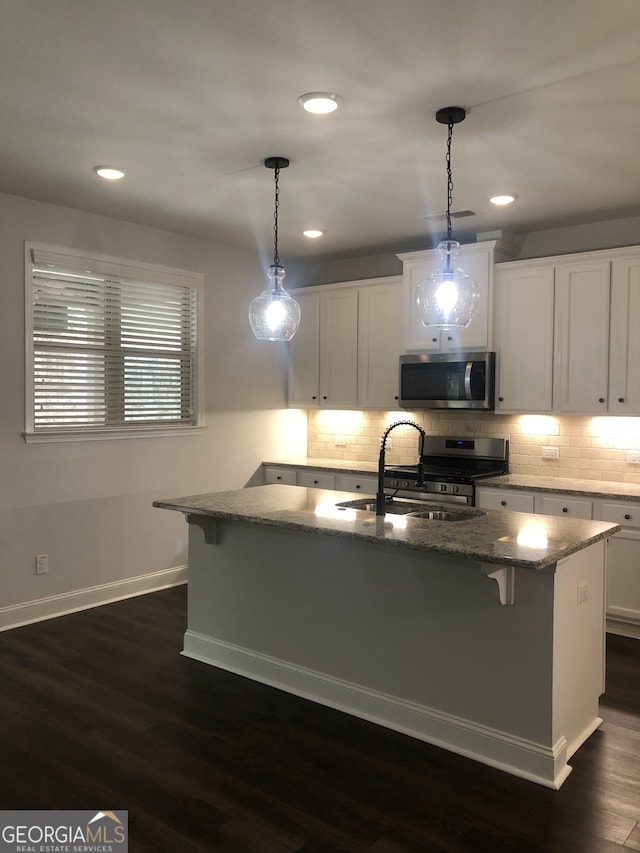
(623, 628)
(82, 599)
(534, 761)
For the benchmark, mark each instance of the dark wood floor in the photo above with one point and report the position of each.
(98, 710)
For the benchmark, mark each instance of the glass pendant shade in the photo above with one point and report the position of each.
(447, 297)
(274, 315)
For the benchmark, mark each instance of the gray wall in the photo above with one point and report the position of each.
(88, 504)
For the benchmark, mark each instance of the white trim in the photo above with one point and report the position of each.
(623, 628)
(529, 760)
(109, 434)
(28, 612)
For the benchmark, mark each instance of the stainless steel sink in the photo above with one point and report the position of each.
(413, 510)
(446, 514)
(394, 507)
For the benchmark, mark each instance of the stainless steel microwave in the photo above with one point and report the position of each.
(461, 380)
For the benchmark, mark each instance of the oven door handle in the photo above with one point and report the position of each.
(467, 380)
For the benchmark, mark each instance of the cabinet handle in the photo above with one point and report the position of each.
(627, 516)
(396, 397)
(503, 503)
(325, 397)
(357, 485)
(314, 397)
(621, 399)
(315, 482)
(278, 477)
(435, 340)
(501, 399)
(601, 399)
(449, 338)
(565, 509)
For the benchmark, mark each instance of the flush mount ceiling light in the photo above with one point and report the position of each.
(447, 297)
(502, 200)
(313, 233)
(274, 315)
(109, 173)
(319, 103)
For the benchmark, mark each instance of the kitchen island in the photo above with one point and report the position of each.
(483, 635)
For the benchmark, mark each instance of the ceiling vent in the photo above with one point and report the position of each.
(455, 214)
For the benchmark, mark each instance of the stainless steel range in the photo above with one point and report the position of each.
(450, 469)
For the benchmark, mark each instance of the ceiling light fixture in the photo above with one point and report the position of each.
(501, 200)
(275, 315)
(319, 103)
(447, 297)
(313, 233)
(109, 173)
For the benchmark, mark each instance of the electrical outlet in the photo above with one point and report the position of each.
(550, 452)
(341, 440)
(633, 457)
(42, 564)
(583, 593)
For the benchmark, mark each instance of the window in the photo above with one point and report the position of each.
(112, 347)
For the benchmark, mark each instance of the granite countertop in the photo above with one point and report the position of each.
(505, 538)
(597, 489)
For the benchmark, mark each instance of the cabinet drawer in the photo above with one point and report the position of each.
(286, 476)
(504, 499)
(316, 480)
(626, 514)
(566, 507)
(352, 483)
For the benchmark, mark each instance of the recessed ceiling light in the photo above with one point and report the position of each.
(313, 233)
(319, 103)
(109, 173)
(501, 200)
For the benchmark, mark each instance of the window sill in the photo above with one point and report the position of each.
(58, 436)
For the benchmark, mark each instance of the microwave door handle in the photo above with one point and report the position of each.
(467, 380)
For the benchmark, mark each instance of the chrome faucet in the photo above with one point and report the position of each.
(380, 496)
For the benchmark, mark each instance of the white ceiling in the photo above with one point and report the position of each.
(190, 96)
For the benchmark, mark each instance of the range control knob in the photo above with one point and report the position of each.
(442, 487)
(393, 484)
(455, 490)
(405, 484)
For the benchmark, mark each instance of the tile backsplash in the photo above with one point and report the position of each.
(589, 448)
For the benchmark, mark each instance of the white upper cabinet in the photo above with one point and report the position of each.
(379, 344)
(581, 349)
(624, 348)
(524, 368)
(476, 260)
(346, 352)
(323, 353)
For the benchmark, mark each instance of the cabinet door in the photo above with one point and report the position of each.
(581, 349)
(476, 260)
(524, 368)
(285, 476)
(353, 483)
(339, 349)
(509, 500)
(623, 577)
(316, 480)
(624, 349)
(379, 345)
(304, 354)
(567, 507)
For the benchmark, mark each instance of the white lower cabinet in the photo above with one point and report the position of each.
(352, 483)
(286, 476)
(316, 480)
(509, 500)
(623, 559)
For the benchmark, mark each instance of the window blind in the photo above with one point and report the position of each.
(111, 351)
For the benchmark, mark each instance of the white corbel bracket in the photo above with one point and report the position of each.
(504, 576)
(206, 524)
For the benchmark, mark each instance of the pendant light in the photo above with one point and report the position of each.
(448, 296)
(275, 315)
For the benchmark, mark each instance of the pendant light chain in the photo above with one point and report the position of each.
(276, 257)
(449, 179)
